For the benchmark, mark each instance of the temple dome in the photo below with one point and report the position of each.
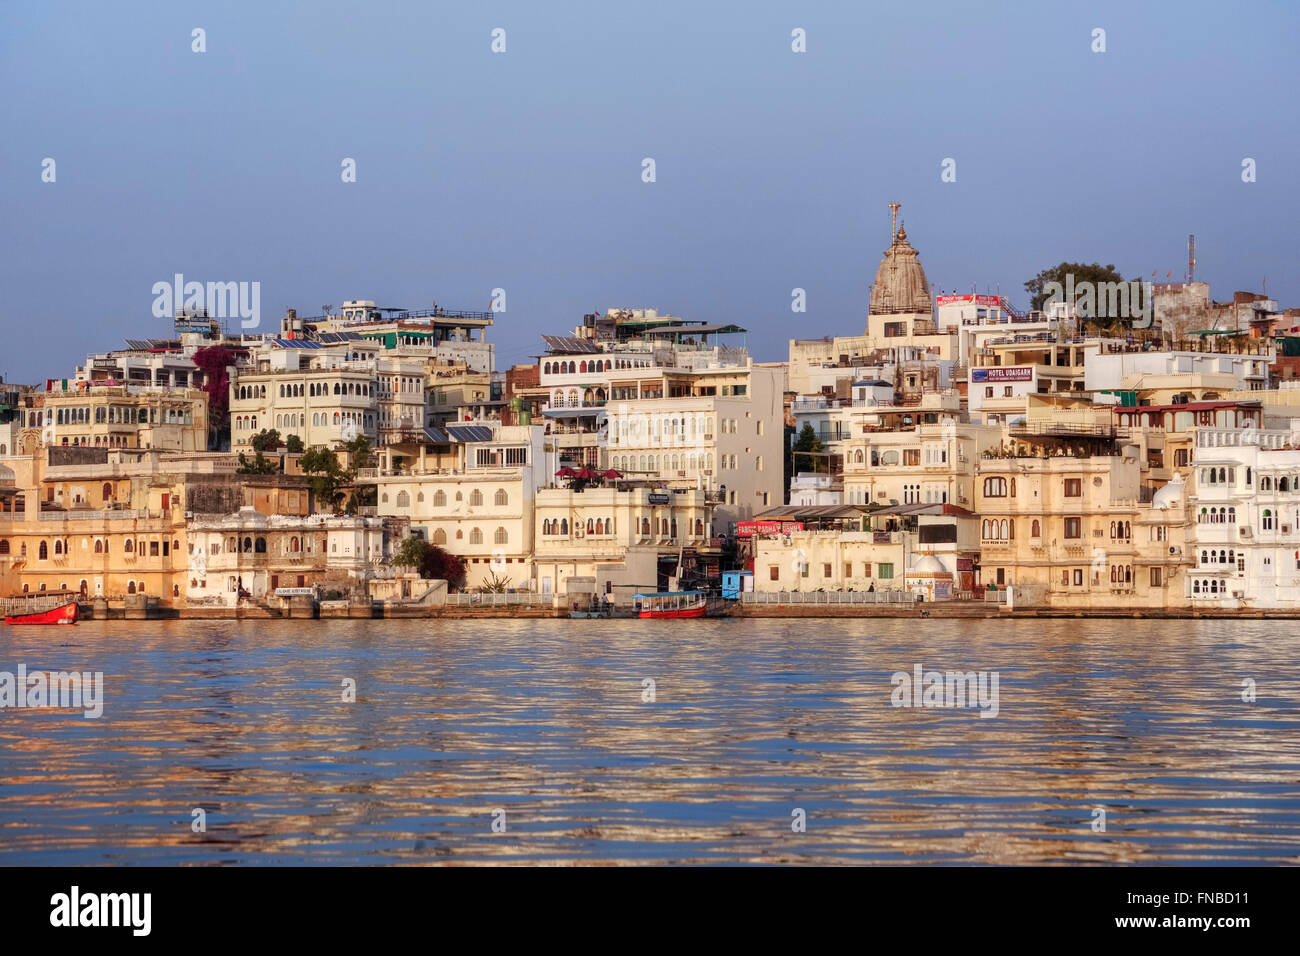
(901, 286)
(928, 564)
(1168, 496)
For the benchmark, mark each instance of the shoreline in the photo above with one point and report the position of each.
(936, 611)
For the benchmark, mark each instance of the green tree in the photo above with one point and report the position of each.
(411, 553)
(326, 476)
(294, 444)
(266, 440)
(432, 562)
(1095, 273)
(807, 447)
(259, 465)
(359, 454)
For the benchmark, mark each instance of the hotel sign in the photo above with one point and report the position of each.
(1010, 373)
(658, 498)
(746, 529)
(990, 300)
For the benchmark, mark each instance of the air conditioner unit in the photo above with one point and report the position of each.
(1245, 532)
(1286, 529)
(1174, 549)
(1239, 594)
(708, 471)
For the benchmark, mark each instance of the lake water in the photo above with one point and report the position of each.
(754, 726)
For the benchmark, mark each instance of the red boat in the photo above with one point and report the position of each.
(64, 614)
(669, 604)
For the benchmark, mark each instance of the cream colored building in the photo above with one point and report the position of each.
(636, 540)
(105, 523)
(930, 463)
(322, 406)
(121, 416)
(469, 489)
(1073, 532)
(718, 430)
(257, 554)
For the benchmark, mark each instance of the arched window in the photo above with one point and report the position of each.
(591, 526)
(645, 527)
(546, 526)
(440, 499)
(564, 526)
(476, 536)
(130, 587)
(476, 498)
(403, 500)
(600, 526)
(261, 546)
(501, 498)
(99, 546)
(501, 537)
(439, 536)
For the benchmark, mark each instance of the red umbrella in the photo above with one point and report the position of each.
(565, 472)
(586, 473)
(611, 474)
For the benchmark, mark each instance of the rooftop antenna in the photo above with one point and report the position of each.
(1191, 259)
(893, 225)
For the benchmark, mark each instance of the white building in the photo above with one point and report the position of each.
(1245, 500)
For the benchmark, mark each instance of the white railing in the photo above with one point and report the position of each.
(526, 599)
(123, 515)
(893, 596)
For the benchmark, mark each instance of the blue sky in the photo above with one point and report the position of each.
(522, 170)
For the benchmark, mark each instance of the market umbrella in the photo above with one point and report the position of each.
(565, 472)
(586, 473)
(611, 474)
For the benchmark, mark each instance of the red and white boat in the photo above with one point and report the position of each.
(63, 614)
(669, 604)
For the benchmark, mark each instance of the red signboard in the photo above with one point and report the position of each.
(990, 300)
(745, 529)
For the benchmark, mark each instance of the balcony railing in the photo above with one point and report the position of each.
(80, 515)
